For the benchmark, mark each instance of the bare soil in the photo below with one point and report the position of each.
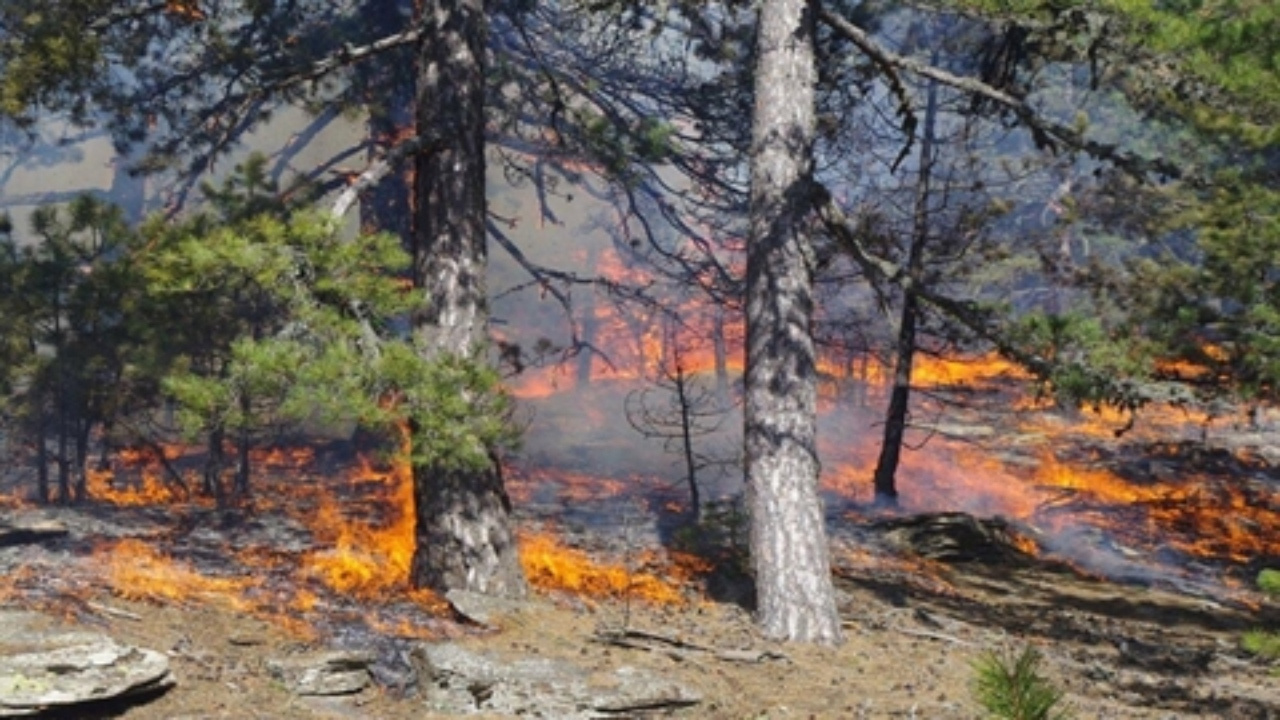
(914, 628)
(913, 634)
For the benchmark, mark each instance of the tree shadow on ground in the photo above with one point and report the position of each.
(1155, 646)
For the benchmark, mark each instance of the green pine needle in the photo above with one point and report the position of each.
(1010, 687)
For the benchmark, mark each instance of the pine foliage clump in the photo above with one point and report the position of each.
(254, 316)
(1010, 687)
(1265, 643)
(313, 328)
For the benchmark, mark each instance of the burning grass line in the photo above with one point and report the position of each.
(135, 571)
(550, 565)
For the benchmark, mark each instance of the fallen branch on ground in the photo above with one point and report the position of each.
(655, 642)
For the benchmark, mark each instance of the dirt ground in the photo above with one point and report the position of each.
(913, 629)
(1118, 651)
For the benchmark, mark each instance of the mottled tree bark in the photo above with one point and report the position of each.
(789, 551)
(464, 535)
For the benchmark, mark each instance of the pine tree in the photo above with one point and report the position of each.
(789, 554)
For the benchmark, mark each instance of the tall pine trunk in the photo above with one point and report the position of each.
(789, 550)
(42, 448)
(685, 403)
(464, 535)
(895, 423)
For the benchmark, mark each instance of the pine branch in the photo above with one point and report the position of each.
(380, 168)
(1121, 392)
(370, 341)
(1046, 133)
(121, 15)
(345, 56)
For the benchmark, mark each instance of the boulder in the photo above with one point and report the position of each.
(456, 681)
(334, 672)
(44, 668)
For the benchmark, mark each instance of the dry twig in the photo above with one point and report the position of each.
(681, 649)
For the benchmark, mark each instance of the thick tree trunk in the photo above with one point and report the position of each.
(789, 550)
(464, 535)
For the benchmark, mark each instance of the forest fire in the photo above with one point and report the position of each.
(365, 559)
(991, 449)
(148, 487)
(137, 571)
(362, 529)
(1166, 514)
(1063, 477)
(652, 577)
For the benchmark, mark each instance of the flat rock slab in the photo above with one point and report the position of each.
(456, 681)
(335, 672)
(483, 609)
(18, 532)
(44, 668)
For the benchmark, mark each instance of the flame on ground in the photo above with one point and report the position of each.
(549, 564)
(137, 571)
(150, 490)
(140, 481)
(368, 559)
(1211, 518)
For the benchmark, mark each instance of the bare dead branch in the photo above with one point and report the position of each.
(114, 612)
(347, 55)
(379, 169)
(658, 642)
(1047, 133)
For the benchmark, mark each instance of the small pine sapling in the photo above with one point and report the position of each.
(1265, 643)
(1011, 687)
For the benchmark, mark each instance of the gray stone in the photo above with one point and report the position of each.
(483, 609)
(335, 672)
(460, 682)
(31, 531)
(44, 668)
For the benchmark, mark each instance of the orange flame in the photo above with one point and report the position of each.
(369, 559)
(102, 486)
(138, 572)
(549, 564)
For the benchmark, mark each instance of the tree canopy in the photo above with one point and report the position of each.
(1118, 236)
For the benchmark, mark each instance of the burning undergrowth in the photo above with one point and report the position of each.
(314, 550)
(1145, 509)
(326, 540)
(1143, 500)
(649, 575)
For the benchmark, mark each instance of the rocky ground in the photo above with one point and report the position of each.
(923, 595)
(914, 629)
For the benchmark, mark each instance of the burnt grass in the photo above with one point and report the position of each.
(913, 631)
(915, 621)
